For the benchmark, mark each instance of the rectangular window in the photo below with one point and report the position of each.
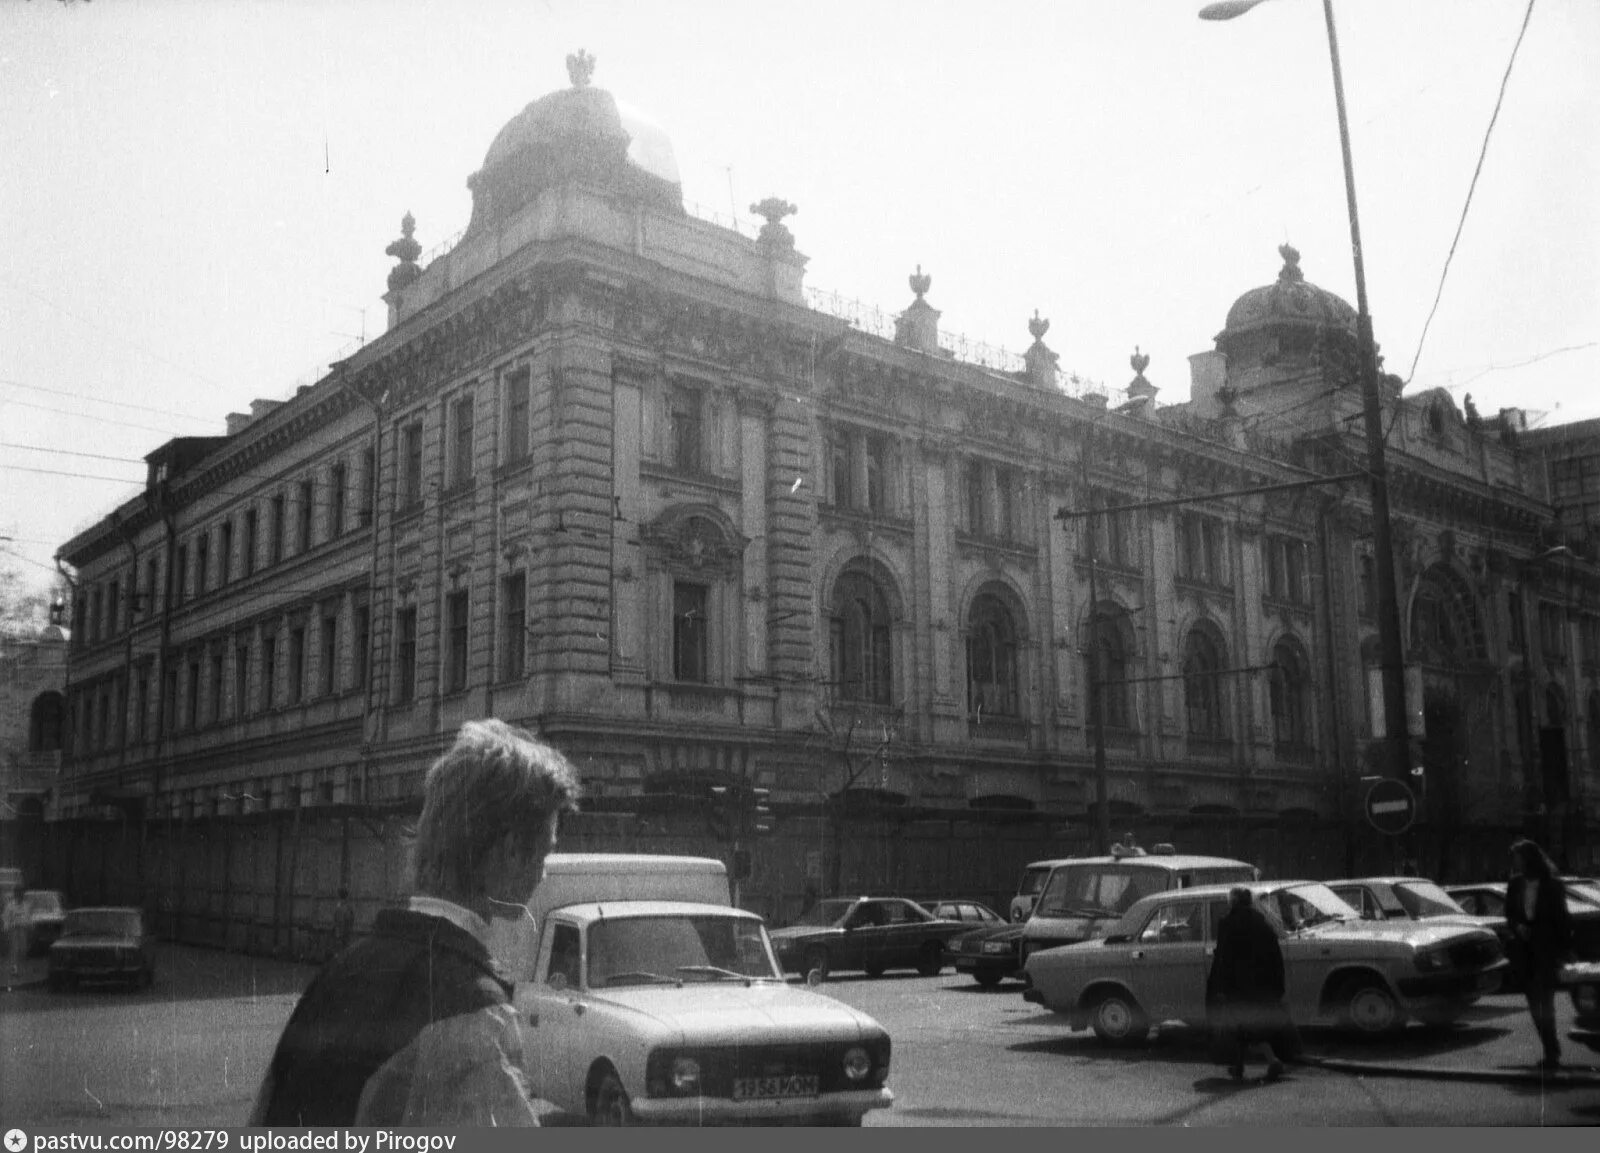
(152, 573)
(113, 606)
(1552, 630)
(877, 474)
(215, 703)
(336, 497)
(683, 419)
(202, 563)
(241, 677)
(1519, 629)
(142, 705)
(411, 464)
(514, 626)
(461, 446)
(1286, 569)
(369, 486)
(297, 664)
(842, 469)
(180, 576)
(191, 716)
(103, 732)
(224, 553)
(689, 632)
(169, 700)
(1005, 491)
(98, 613)
(517, 416)
(405, 655)
(280, 529)
(1200, 549)
(455, 664)
(361, 640)
(269, 672)
(1367, 584)
(330, 655)
(308, 493)
(973, 496)
(1110, 534)
(248, 559)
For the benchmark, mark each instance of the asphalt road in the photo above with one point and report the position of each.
(191, 1052)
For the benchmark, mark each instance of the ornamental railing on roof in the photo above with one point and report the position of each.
(440, 249)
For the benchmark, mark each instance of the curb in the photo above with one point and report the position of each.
(1562, 1078)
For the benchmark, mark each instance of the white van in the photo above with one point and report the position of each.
(646, 996)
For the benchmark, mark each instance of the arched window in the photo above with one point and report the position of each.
(859, 636)
(1291, 697)
(1202, 686)
(992, 659)
(1108, 657)
(46, 723)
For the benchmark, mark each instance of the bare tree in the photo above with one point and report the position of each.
(856, 752)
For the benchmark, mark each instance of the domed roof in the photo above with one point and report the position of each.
(1290, 300)
(581, 132)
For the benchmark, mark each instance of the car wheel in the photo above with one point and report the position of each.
(611, 1107)
(874, 971)
(58, 983)
(930, 960)
(147, 978)
(988, 978)
(1118, 1020)
(1371, 1010)
(816, 959)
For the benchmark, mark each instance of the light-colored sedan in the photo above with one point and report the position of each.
(1364, 975)
(675, 1012)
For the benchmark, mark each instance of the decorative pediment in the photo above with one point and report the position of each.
(695, 540)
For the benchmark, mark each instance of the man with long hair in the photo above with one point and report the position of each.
(413, 1024)
(1541, 938)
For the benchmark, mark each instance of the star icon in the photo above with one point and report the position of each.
(16, 1140)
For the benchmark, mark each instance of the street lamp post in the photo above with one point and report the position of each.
(1390, 650)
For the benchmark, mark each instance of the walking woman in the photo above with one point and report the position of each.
(1541, 938)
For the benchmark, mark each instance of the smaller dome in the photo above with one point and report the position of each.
(1291, 300)
(577, 133)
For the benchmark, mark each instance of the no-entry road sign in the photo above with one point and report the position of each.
(1391, 806)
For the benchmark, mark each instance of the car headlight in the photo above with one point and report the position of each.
(857, 1063)
(685, 1074)
(1431, 960)
(998, 947)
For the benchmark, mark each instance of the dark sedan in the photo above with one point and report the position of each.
(989, 955)
(872, 934)
(103, 944)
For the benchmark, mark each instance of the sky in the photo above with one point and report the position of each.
(195, 195)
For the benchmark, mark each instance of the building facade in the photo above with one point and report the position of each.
(614, 474)
(33, 711)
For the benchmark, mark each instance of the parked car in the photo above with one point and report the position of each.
(1489, 899)
(971, 912)
(872, 934)
(672, 1011)
(1083, 897)
(1029, 886)
(45, 911)
(1368, 976)
(1417, 899)
(1582, 980)
(103, 944)
(988, 955)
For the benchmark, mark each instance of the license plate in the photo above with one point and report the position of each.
(759, 1088)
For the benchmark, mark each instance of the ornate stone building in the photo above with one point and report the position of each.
(613, 473)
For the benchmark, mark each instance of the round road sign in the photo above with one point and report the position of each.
(1391, 806)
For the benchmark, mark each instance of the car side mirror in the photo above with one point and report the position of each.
(1118, 939)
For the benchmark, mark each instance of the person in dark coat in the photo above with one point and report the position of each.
(1541, 938)
(413, 1023)
(1245, 989)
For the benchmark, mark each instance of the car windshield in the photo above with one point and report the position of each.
(101, 922)
(674, 949)
(1302, 906)
(824, 913)
(1097, 890)
(1425, 899)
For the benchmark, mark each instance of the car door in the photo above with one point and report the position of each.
(1169, 961)
(861, 943)
(900, 934)
(550, 1009)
